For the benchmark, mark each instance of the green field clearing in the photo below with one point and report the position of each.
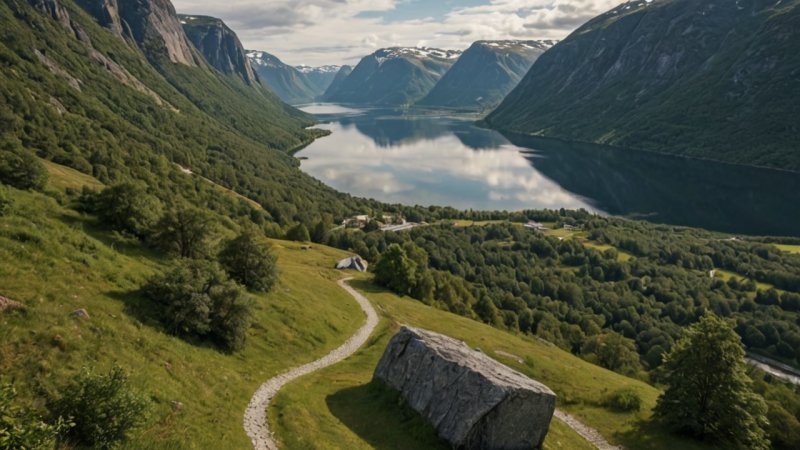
(340, 405)
(788, 248)
(63, 177)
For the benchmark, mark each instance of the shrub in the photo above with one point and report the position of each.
(20, 168)
(298, 233)
(196, 299)
(128, 207)
(21, 428)
(103, 408)
(184, 231)
(624, 400)
(249, 260)
(5, 200)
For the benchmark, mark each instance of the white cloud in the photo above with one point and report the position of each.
(317, 32)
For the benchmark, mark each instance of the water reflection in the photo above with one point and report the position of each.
(419, 159)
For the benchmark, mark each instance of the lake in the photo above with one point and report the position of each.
(421, 158)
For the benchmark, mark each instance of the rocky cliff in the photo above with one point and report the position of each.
(714, 79)
(473, 401)
(152, 25)
(219, 45)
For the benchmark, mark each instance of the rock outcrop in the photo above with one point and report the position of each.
(473, 401)
(152, 25)
(219, 45)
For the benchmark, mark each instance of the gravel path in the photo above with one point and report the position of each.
(255, 416)
(587, 432)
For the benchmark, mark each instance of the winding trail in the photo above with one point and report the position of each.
(255, 416)
(586, 432)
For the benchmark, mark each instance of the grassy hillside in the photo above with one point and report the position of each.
(340, 405)
(54, 261)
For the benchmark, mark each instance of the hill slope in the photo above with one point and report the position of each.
(337, 81)
(394, 76)
(288, 83)
(104, 103)
(712, 79)
(485, 73)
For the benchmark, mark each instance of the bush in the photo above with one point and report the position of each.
(21, 428)
(184, 232)
(5, 200)
(197, 300)
(20, 168)
(298, 233)
(249, 261)
(128, 207)
(103, 408)
(624, 400)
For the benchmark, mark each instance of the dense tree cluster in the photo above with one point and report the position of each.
(709, 394)
(570, 293)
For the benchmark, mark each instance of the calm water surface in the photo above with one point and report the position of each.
(410, 158)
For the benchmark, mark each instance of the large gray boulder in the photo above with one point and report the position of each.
(473, 401)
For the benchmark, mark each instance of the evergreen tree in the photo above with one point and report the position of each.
(710, 395)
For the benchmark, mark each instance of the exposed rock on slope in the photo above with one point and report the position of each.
(473, 401)
(319, 77)
(485, 74)
(394, 76)
(153, 25)
(219, 45)
(715, 79)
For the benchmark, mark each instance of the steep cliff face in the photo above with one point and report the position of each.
(54, 9)
(485, 74)
(152, 25)
(713, 79)
(219, 45)
(106, 12)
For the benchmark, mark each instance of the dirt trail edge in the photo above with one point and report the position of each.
(255, 416)
(587, 432)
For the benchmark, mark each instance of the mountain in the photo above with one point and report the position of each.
(152, 25)
(485, 73)
(319, 77)
(337, 81)
(219, 45)
(711, 79)
(288, 83)
(394, 76)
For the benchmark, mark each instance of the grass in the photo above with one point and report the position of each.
(63, 177)
(726, 275)
(788, 248)
(55, 261)
(339, 407)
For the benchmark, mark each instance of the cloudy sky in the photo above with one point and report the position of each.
(317, 32)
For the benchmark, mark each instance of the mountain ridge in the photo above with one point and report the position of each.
(711, 79)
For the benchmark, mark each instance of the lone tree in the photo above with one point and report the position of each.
(710, 395)
(184, 231)
(128, 207)
(395, 270)
(249, 260)
(19, 167)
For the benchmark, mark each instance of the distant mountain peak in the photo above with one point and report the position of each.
(320, 69)
(416, 52)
